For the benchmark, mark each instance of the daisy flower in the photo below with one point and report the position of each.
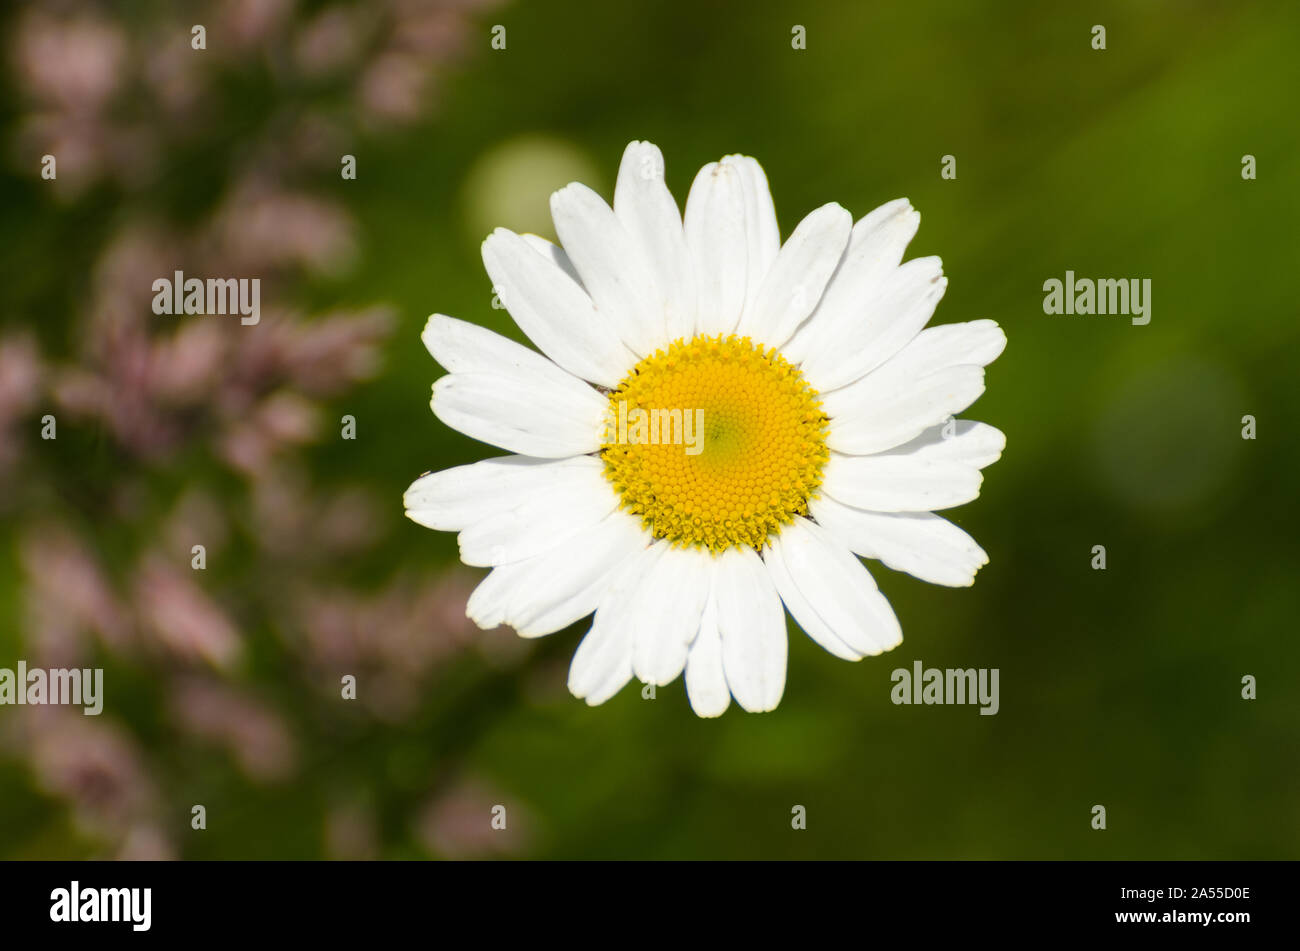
(826, 432)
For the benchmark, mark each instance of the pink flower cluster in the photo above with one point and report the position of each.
(172, 434)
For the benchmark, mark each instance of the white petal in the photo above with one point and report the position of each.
(554, 253)
(535, 414)
(891, 405)
(554, 311)
(575, 498)
(936, 375)
(602, 664)
(802, 611)
(669, 601)
(974, 343)
(887, 483)
(970, 443)
(926, 546)
(888, 318)
(762, 234)
(614, 271)
(462, 347)
(752, 625)
(706, 682)
(456, 498)
(875, 248)
(715, 233)
(829, 592)
(645, 206)
(543, 594)
(798, 276)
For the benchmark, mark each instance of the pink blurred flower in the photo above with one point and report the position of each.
(196, 515)
(145, 842)
(119, 102)
(351, 833)
(393, 89)
(330, 41)
(391, 640)
(459, 824)
(248, 22)
(22, 373)
(67, 596)
(74, 63)
(182, 617)
(261, 227)
(94, 765)
(251, 732)
(281, 421)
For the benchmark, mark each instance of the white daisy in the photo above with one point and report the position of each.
(828, 432)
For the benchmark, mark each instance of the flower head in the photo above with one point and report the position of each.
(718, 425)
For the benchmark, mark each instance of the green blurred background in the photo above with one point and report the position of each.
(1119, 687)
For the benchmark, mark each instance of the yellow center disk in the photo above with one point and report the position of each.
(715, 442)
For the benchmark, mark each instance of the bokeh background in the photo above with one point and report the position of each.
(1119, 687)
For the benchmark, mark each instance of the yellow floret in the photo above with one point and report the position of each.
(762, 451)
